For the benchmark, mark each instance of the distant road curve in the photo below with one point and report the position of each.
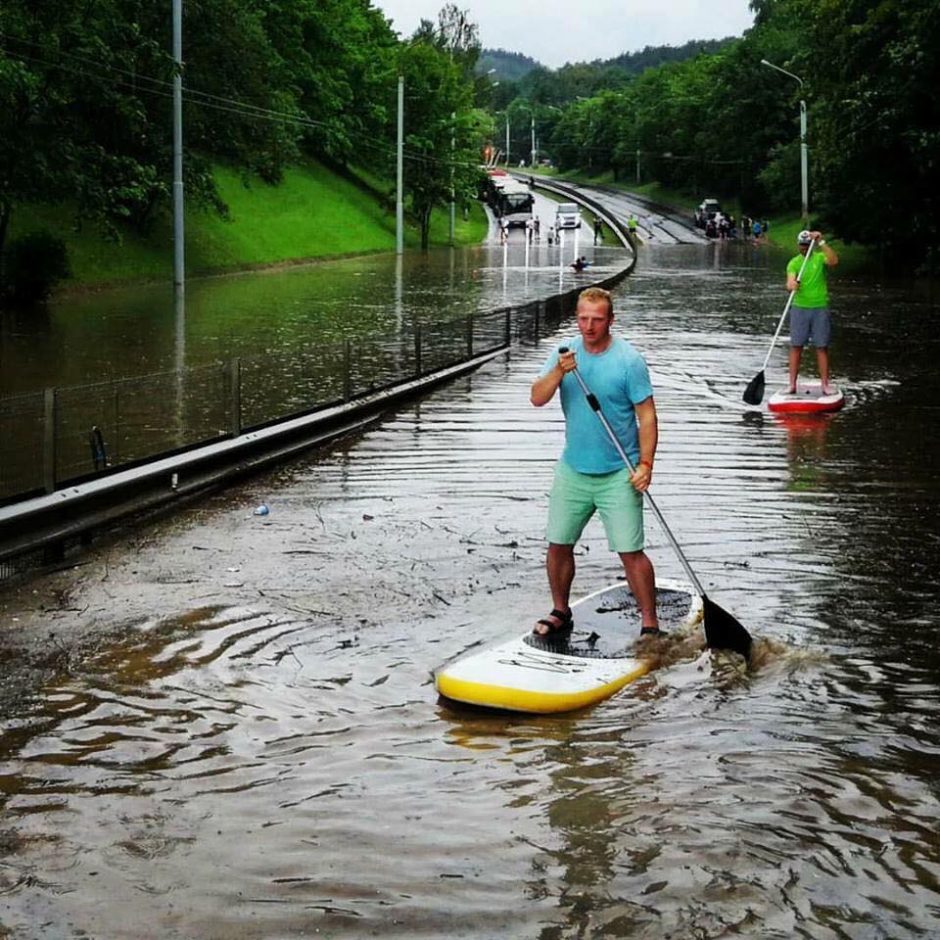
(656, 222)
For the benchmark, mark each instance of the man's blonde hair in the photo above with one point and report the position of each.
(594, 295)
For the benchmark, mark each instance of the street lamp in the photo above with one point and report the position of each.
(804, 164)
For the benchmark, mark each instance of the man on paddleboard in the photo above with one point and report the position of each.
(591, 476)
(809, 314)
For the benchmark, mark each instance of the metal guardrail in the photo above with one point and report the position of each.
(56, 437)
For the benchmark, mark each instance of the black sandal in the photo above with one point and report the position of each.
(651, 632)
(564, 625)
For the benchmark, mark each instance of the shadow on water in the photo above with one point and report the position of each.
(260, 753)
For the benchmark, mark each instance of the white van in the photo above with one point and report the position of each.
(567, 215)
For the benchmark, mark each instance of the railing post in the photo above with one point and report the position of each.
(417, 351)
(49, 440)
(508, 326)
(347, 370)
(235, 396)
(470, 336)
(116, 443)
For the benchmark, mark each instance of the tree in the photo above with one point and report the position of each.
(443, 134)
(338, 57)
(85, 90)
(877, 121)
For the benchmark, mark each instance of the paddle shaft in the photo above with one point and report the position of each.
(786, 309)
(596, 407)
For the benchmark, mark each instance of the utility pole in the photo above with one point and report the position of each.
(400, 171)
(507, 138)
(636, 132)
(804, 156)
(532, 151)
(453, 155)
(179, 273)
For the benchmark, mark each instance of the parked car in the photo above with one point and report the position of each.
(567, 215)
(708, 209)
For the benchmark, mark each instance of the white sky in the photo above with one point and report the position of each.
(558, 31)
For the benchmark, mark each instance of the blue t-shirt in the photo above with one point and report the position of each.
(620, 379)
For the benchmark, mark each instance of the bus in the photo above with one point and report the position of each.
(514, 203)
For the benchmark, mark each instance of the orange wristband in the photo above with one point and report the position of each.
(648, 464)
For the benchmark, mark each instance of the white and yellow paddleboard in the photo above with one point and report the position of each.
(559, 674)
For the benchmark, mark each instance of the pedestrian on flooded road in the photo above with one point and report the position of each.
(579, 264)
(809, 314)
(590, 475)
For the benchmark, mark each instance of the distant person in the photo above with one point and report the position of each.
(598, 231)
(579, 264)
(756, 230)
(632, 223)
(809, 314)
(503, 231)
(537, 228)
(590, 476)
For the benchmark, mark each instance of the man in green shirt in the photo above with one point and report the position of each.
(809, 314)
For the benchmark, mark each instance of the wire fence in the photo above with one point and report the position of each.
(58, 437)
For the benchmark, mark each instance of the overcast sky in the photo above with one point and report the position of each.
(558, 31)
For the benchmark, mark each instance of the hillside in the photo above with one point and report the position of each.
(652, 56)
(509, 66)
(514, 66)
(313, 213)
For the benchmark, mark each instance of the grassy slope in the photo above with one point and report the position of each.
(313, 213)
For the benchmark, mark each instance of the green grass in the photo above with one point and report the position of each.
(312, 214)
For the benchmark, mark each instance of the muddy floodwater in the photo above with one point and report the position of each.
(253, 747)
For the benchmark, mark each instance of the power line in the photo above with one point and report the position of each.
(218, 102)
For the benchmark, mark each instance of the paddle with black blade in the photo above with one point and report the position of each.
(722, 631)
(754, 393)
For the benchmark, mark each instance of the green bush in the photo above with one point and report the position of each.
(32, 266)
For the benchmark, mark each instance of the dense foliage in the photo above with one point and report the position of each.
(86, 91)
(722, 124)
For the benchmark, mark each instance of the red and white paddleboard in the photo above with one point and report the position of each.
(808, 398)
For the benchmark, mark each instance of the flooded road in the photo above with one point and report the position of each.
(260, 752)
(272, 315)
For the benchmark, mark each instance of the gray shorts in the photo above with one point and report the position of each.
(810, 325)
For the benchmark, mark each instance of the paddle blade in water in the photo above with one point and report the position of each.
(723, 632)
(754, 393)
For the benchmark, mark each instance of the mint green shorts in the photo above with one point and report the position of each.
(575, 497)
